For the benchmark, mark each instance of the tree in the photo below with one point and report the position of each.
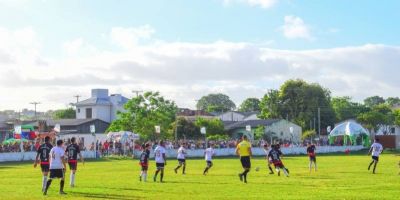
(259, 133)
(143, 113)
(373, 101)
(270, 105)
(186, 129)
(373, 119)
(213, 126)
(68, 113)
(396, 115)
(392, 101)
(250, 105)
(218, 103)
(345, 109)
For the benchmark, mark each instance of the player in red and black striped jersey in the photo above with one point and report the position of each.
(144, 161)
(312, 155)
(275, 156)
(43, 154)
(72, 151)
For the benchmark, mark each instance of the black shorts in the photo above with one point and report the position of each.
(376, 158)
(209, 163)
(56, 173)
(182, 161)
(160, 165)
(45, 167)
(73, 165)
(245, 160)
(313, 159)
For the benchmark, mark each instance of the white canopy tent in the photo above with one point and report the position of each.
(351, 130)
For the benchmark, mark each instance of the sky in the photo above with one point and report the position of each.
(51, 50)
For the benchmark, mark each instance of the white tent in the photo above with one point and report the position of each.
(350, 128)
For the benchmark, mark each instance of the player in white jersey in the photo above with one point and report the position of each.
(208, 154)
(57, 166)
(160, 157)
(376, 150)
(181, 159)
(269, 161)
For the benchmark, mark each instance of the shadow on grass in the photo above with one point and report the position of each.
(104, 196)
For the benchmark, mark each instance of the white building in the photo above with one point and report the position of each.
(235, 116)
(100, 106)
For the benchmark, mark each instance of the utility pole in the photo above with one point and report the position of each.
(77, 97)
(137, 92)
(35, 103)
(319, 122)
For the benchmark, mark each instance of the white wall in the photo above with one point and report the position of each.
(82, 113)
(231, 116)
(251, 117)
(102, 112)
(283, 127)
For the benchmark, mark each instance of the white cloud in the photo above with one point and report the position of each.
(261, 3)
(186, 71)
(295, 28)
(129, 37)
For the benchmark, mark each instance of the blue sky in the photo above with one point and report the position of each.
(59, 33)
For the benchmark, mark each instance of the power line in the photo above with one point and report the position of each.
(137, 92)
(35, 103)
(77, 97)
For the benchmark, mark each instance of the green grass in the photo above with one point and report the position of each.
(339, 177)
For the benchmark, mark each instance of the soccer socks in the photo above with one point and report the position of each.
(72, 179)
(184, 168)
(205, 170)
(44, 182)
(144, 177)
(370, 164)
(374, 167)
(61, 185)
(270, 169)
(155, 176)
(285, 172)
(47, 186)
(245, 175)
(161, 176)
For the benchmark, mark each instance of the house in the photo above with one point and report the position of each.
(100, 106)
(274, 129)
(69, 126)
(238, 116)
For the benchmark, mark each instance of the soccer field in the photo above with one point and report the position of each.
(338, 177)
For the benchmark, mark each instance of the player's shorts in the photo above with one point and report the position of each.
(160, 165)
(313, 159)
(45, 167)
(73, 164)
(376, 158)
(182, 161)
(145, 166)
(56, 173)
(278, 164)
(209, 163)
(245, 160)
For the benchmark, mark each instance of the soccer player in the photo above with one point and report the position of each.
(274, 155)
(57, 166)
(312, 156)
(269, 161)
(208, 154)
(161, 160)
(43, 153)
(181, 159)
(243, 150)
(376, 149)
(72, 153)
(144, 161)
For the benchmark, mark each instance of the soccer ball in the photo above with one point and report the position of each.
(257, 169)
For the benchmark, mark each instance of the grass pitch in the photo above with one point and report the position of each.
(338, 177)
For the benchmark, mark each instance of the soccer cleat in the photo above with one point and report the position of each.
(45, 193)
(241, 177)
(287, 170)
(62, 193)
(72, 185)
(176, 171)
(271, 172)
(279, 173)
(155, 178)
(140, 178)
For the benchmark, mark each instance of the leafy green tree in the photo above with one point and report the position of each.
(145, 112)
(68, 113)
(186, 129)
(250, 105)
(218, 103)
(270, 105)
(345, 109)
(373, 101)
(396, 115)
(373, 119)
(308, 134)
(213, 126)
(392, 101)
(259, 132)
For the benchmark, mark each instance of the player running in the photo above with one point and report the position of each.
(161, 160)
(274, 155)
(72, 153)
(43, 153)
(269, 161)
(312, 156)
(376, 149)
(144, 162)
(208, 154)
(57, 166)
(243, 150)
(181, 159)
